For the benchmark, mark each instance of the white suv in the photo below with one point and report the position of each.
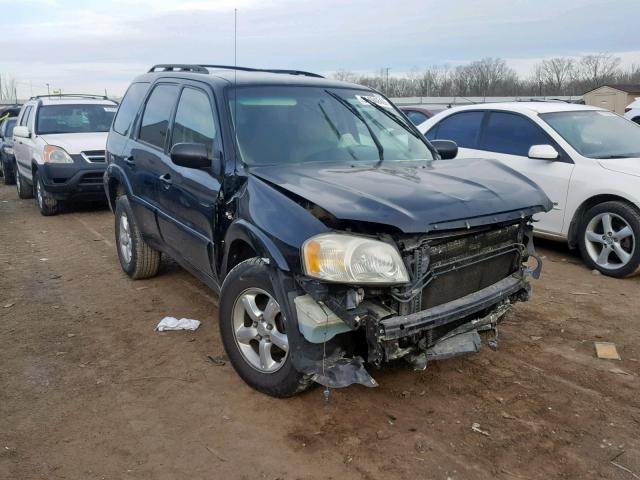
(59, 144)
(632, 112)
(586, 159)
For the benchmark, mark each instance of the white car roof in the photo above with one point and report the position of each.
(527, 107)
(74, 101)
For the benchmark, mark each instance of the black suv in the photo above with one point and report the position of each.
(333, 231)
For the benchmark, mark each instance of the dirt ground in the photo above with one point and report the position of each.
(88, 389)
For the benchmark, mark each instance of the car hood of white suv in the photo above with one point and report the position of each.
(629, 166)
(74, 143)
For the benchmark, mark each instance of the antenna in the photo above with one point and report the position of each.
(235, 83)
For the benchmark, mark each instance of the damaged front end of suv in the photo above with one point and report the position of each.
(363, 291)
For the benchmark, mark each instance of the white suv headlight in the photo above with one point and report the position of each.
(53, 154)
(351, 259)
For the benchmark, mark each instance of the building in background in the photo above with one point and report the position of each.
(613, 97)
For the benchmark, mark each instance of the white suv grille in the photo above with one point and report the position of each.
(94, 156)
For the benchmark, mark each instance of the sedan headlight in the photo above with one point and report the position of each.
(8, 150)
(352, 259)
(53, 154)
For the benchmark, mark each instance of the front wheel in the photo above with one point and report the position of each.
(22, 187)
(253, 331)
(46, 203)
(609, 235)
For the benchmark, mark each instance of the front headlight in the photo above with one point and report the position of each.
(8, 150)
(351, 259)
(53, 154)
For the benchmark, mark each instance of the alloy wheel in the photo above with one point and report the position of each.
(258, 329)
(609, 240)
(39, 196)
(125, 238)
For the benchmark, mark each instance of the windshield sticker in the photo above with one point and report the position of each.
(377, 99)
(110, 109)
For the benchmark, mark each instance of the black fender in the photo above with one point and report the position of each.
(111, 174)
(242, 230)
(274, 225)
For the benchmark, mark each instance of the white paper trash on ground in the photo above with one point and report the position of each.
(172, 323)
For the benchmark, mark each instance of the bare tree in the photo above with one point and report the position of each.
(595, 70)
(556, 73)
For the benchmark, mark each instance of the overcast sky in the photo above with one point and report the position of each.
(89, 46)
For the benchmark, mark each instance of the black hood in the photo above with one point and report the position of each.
(413, 197)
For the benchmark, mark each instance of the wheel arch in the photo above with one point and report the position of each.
(243, 240)
(590, 202)
(116, 184)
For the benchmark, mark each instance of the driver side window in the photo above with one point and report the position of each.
(194, 122)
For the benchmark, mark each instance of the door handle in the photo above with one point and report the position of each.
(166, 179)
(129, 161)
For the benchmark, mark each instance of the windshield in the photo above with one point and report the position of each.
(596, 133)
(74, 118)
(276, 125)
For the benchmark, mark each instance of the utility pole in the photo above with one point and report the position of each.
(48, 91)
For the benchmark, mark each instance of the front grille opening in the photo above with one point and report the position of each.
(59, 179)
(464, 264)
(92, 178)
(464, 281)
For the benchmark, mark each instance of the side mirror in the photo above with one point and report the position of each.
(190, 155)
(543, 152)
(21, 131)
(446, 148)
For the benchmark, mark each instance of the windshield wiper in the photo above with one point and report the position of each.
(391, 116)
(353, 110)
(334, 129)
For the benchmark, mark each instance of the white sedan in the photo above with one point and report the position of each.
(632, 112)
(587, 160)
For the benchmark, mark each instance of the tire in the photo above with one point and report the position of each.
(22, 187)
(637, 120)
(609, 237)
(138, 259)
(277, 377)
(9, 176)
(45, 202)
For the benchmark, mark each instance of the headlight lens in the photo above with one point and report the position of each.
(53, 154)
(8, 150)
(351, 259)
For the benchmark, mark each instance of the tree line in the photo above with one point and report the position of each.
(492, 77)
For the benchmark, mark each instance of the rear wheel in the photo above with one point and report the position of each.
(46, 203)
(609, 236)
(23, 188)
(7, 171)
(252, 327)
(137, 258)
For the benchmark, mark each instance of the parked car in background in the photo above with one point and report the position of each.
(587, 160)
(418, 114)
(59, 148)
(7, 159)
(7, 111)
(632, 112)
(321, 215)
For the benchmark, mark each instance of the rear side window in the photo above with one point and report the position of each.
(157, 114)
(194, 121)
(462, 128)
(511, 134)
(25, 115)
(129, 108)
